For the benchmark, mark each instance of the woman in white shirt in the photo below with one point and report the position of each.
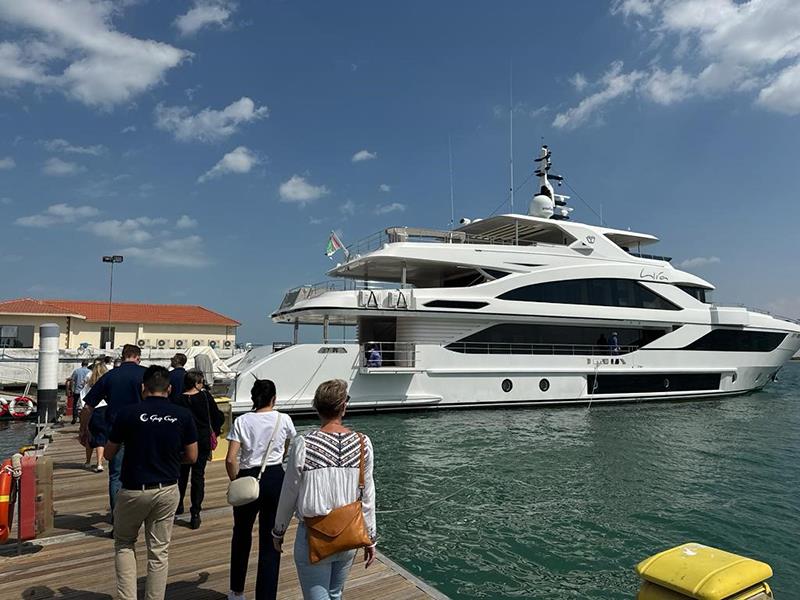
(247, 443)
(323, 474)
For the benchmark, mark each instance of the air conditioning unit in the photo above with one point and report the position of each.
(141, 343)
(181, 344)
(227, 344)
(196, 343)
(162, 344)
(213, 343)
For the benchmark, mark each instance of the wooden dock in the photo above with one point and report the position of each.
(75, 560)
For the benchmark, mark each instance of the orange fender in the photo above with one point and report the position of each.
(5, 500)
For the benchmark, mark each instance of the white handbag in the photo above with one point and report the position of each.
(245, 490)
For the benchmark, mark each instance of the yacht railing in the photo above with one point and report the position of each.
(754, 309)
(388, 355)
(313, 290)
(546, 349)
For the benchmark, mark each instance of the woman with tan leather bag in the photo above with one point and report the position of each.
(328, 484)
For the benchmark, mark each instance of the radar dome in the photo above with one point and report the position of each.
(542, 206)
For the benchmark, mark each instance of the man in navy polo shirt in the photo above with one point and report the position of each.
(178, 364)
(119, 387)
(158, 437)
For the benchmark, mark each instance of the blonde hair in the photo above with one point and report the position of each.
(98, 370)
(330, 398)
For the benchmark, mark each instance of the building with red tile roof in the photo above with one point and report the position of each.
(95, 323)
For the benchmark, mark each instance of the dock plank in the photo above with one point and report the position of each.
(75, 560)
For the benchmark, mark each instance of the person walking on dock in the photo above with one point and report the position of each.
(178, 364)
(157, 436)
(329, 469)
(75, 385)
(260, 439)
(208, 419)
(119, 388)
(98, 429)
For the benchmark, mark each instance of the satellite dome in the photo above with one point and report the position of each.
(542, 206)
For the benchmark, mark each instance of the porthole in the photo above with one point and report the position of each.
(544, 385)
(733, 378)
(666, 383)
(507, 385)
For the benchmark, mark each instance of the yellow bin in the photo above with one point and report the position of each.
(703, 573)
(224, 404)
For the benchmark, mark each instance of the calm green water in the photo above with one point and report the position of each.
(562, 503)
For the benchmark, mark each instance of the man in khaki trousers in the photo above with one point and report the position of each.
(158, 437)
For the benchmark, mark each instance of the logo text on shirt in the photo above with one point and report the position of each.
(144, 418)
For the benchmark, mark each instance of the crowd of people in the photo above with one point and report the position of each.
(157, 428)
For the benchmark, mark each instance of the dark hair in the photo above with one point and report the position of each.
(263, 393)
(128, 351)
(84, 363)
(330, 398)
(180, 359)
(156, 380)
(192, 379)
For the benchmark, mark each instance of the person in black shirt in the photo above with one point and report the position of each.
(158, 437)
(119, 387)
(208, 418)
(178, 364)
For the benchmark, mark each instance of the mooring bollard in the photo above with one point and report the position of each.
(47, 384)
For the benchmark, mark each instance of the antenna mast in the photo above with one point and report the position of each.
(511, 146)
(452, 202)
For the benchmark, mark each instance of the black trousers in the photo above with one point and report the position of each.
(198, 475)
(269, 560)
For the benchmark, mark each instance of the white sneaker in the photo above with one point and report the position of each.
(98, 469)
(236, 596)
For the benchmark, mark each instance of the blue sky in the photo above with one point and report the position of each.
(216, 143)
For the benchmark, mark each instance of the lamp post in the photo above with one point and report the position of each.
(112, 260)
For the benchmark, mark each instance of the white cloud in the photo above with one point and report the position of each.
(736, 47)
(131, 231)
(315, 221)
(384, 187)
(56, 167)
(61, 145)
(204, 13)
(363, 155)
(186, 222)
(348, 208)
(74, 47)
(208, 125)
(698, 261)
(297, 189)
(578, 81)
(186, 252)
(7, 163)
(383, 209)
(128, 129)
(58, 214)
(240, 160)
(614, 83)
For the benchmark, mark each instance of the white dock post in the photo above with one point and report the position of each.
(47, 383)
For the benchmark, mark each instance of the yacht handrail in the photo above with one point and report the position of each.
(390, 355)
(537, 348)
(754, 309)
(313, 290)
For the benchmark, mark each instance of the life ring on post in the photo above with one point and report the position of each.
(3, 406)
(20, 407)
(6, 480)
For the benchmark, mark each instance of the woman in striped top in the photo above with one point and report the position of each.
(323, 474)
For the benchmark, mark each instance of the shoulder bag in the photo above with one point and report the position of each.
(212, 438)
(245, 490)
(341, 529)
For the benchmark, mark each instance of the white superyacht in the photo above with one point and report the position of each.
(516, 310)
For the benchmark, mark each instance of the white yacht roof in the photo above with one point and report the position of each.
(537, 229)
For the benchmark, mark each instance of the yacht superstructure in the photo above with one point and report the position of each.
(513, 310)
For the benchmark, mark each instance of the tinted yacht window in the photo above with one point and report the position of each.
(738, 340)
(596, 292)
(697, 292)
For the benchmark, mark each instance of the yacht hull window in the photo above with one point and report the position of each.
(653, 382)
(465, 304)
(596, 292)
(515, 338)
(738, 340)
(698, 293)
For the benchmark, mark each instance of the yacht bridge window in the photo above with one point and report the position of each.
(519, 338)
(596, 292)
(698, 293)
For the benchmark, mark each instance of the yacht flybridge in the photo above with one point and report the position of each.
(515, 309)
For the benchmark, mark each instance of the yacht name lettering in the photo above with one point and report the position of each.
(606, 361)
(654, 275)
(144, 418)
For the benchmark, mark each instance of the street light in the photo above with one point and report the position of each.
(112, 260)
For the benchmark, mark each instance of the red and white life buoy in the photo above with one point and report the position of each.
(20, 407)
(3, 406)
